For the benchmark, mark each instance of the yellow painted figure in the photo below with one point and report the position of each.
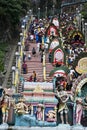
(21, 107)
(5, 109)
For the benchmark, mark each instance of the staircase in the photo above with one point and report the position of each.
(34, 64)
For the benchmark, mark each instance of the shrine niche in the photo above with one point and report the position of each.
(78, 84)
(77, 38)
(52, 30)
(55, 22)
(58, 56)
(79, 92)
(54, 43)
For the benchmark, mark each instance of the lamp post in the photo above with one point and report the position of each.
(53, 9)
(23, 27)
(17, 57)
(13, 77)
(46, 12)
(26, 19)
(21, 37)
(24, 23)
(30, 15)
(38, 13)
(80, 21)
(82, 29)
(16, 82)
(19, 47)
(23, 32)
(20, 55)
(86, 35)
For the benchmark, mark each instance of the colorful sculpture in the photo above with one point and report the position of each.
(78, 110)
(21, 107)
(39, 112)
(63, 97)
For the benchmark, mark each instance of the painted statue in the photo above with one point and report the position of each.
(51, 115)
(39, 112)
(63, 109)
(2, 95)
(5, 108)
(21, 107)
(79, 110)
(84, 103)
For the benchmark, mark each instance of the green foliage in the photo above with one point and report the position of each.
(1, 61)
(84, 11)
(3, 48)
(11, 12)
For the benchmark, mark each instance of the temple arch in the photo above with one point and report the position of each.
(78, 84)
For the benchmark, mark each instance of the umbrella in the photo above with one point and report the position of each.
(59, 71)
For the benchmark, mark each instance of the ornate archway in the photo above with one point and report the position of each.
(78, 84)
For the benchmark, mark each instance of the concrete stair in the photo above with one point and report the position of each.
(34, 64)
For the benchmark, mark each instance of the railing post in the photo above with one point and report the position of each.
(13, 78)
